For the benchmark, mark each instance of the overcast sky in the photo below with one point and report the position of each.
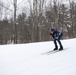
(23, 5)
(25, 2)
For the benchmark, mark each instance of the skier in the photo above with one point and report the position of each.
(57, 35)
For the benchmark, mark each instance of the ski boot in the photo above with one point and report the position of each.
(56, 48)
(61, 48)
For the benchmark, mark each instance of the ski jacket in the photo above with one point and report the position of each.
(56, 34)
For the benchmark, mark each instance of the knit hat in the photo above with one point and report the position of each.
(52, 30)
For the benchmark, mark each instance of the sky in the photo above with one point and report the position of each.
(21, 2)
(24, 3)
(23, 6)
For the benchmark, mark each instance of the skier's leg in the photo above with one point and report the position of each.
(61, 47)
(55, 43)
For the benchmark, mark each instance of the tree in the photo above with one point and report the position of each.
(15, 27)
(72, 17)
(1, 9)
(21, 28)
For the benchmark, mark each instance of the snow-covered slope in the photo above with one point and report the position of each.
(26, 59)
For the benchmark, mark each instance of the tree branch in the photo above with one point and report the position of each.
(6, 7)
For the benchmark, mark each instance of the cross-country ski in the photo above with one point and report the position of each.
(53, 51)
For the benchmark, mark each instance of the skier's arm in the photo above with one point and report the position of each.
(51, 34)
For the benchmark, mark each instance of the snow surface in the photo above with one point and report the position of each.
(26, 59)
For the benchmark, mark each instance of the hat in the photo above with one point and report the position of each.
(52, 30)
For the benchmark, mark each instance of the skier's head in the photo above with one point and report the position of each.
(52, 30)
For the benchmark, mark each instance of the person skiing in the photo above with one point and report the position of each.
(57, 35)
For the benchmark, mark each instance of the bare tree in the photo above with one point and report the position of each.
(41, 7)
(38, 7)
(56, 13)
(15, 27)
(15, 4)
(1, 9)
(72, 15)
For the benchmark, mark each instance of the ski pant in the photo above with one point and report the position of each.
(58, 40)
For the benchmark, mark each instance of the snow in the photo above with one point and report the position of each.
(26, 59)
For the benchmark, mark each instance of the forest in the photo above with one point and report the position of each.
(34, 26)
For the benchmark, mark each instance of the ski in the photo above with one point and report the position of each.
(47, 52)
(53, 51)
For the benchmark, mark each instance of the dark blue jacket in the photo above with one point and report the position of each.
(56, 34)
